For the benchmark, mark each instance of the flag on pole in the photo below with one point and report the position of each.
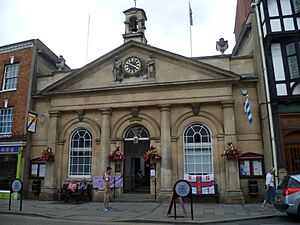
(248, 110)
(191, 15)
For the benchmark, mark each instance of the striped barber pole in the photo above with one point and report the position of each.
(248, 110)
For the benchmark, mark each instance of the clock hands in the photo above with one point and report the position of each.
(133, 65)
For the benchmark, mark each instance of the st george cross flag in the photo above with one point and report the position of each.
(201, 184)
(248, 110)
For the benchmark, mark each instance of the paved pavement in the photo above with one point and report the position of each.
(138, 212)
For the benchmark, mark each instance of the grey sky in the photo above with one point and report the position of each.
(62, 25)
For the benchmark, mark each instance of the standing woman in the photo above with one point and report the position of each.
(270, 188)
(106, 179)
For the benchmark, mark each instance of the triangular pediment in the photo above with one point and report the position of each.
(167, 68)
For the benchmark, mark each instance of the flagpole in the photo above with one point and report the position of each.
(191, 41)
(191, 24)
(87, 40)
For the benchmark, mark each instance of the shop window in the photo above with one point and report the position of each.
(37, 170)
(11, 73)
(251, 165)
(198, 158)
(6, 120)
(80, 154)
(8, 169)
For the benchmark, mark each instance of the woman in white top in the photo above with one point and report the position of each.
(270, 188)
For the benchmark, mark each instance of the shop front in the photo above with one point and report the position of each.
(10, 167)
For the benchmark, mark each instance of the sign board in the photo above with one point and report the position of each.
(16, 185)
(31, 121)
(182, 188)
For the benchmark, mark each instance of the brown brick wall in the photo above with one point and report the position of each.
(17, 99)
(243, 9)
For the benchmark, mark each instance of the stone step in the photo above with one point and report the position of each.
(134, 197)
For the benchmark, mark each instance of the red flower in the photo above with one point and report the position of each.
(116, 155)
(231, 152)
(152, 154)
(47, 155)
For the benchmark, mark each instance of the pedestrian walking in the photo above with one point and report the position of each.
(106, 180)
(270, 188)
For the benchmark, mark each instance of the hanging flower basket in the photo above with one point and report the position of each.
(116, 155)
(232, 152)
(152, 154)
(47, 155)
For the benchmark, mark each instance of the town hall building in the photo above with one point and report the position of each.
(137, 98)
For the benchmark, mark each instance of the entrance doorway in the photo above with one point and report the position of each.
(292, 152)
(136, 170)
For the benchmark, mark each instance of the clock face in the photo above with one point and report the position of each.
(132, 65)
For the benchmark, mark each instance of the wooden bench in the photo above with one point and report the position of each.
(64, 194)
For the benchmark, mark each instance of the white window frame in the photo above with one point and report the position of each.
(10, 78)
(194, 154)
(84, 153)
(6, 121)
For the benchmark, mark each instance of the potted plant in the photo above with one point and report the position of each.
(116, 155)
(232, 151)
(152, 154)
(47, 155)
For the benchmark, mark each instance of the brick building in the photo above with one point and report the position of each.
(20, 64)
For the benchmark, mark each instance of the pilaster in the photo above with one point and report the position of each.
(166, 152)
(233, 192)
(105, 138)
(50, 184)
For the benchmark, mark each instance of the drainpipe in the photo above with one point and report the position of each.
(265, 72)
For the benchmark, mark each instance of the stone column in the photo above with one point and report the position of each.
(166, 152)
(49, 189)
(233, 191)
(105, 139)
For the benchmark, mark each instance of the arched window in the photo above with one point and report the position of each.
(80, 154)
(198, 158)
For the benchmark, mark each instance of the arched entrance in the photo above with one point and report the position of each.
(136, 171)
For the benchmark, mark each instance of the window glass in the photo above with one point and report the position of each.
(275, 25)
(283, 182)
(290, 49)
(277, 62)
(42, 170)
(286, 7)
(10, 77)
(294, 183)
(8, 169)
(296, 4)
(296, 90)
(245, 167)
(281, 89)
(272, 8)
(80, 154)
(288, 24)
(198, 158)
(265, 30)
(262, 14)
(6, 120)
(137, 131)
(293, 67)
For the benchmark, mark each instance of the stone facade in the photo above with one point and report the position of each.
(183, 92)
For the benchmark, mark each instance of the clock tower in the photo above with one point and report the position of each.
(135, 25)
